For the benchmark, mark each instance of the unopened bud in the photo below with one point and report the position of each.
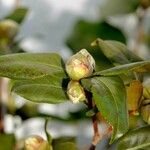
(145, 112)
(80, 65)
(75, 92)
(8, 29)
(36, 143)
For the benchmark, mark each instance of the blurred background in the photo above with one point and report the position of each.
(64, 27)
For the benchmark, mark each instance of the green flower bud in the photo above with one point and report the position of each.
(80, 65)
(36, 143)
(75, 92)
(145, 112)
(8, 29)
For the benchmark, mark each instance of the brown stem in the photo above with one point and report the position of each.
(96, 137)
(2, 107)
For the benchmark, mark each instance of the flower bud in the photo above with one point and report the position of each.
(80, 65)
(36, 143)
(75, 92)
(145, 112)
(8, 29)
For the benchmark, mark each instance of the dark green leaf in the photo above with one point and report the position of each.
(42, 90)
(31, 65)
(110, 98)
(7, 142)
(138, 139)
(139, 67)
(85, 32)
(116, 52)
(18, 15)
(117, 7)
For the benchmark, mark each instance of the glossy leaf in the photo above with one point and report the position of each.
(18, 15)
(139, 67)
(7, 142)
(116, 52)
(31, 65)
(110, 98)
(45, 90)
(137, 139)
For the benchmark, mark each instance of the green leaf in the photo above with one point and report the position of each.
(18, 15)
(31, 65)
(139, 67)
(118, 7)
(64, 144)
(42, 90)
(7, 142)
(110, 98)
(85, 32)
(138, 139)
(116, 52)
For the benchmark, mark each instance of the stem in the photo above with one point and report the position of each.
(96, 137)
(2, 107)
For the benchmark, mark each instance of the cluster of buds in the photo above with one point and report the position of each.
(79, 66)
(8, 29)
(36, 143)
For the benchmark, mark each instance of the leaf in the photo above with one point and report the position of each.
(7, 142)
(139, 67)
(118, 7)
(134, 94)
(85, 32)
(110, 98)
(64, 144)
(18, 15)
(43, 90)
(31, 65)
(116, 52)
(137, 139)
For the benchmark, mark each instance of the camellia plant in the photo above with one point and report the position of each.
(113, 94)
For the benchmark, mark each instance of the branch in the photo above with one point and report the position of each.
(96, 137)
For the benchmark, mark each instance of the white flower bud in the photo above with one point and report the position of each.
(80, 65)
(75, 92)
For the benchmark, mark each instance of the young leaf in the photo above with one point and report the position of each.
(110, 98)
(134, 94)
(116, 52)
(135, 140)
(139, 67)
(18, 15)
(45, 90)
(31, 65)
